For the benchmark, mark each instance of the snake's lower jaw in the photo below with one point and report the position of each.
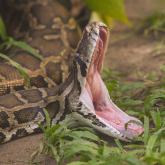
(97, 100)
(106, 112)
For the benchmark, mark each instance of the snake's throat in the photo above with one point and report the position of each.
(96, 97)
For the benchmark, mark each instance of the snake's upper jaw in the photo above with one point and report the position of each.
(98, 109)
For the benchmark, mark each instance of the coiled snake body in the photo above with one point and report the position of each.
(47, 27)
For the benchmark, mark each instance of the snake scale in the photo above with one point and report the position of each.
(67, 83)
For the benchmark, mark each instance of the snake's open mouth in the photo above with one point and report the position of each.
(96, 97)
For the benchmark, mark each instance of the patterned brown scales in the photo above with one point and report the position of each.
(48, 28)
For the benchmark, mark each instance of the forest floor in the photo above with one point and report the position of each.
(134, 49)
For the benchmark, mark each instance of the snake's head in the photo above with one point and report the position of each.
(95, 107)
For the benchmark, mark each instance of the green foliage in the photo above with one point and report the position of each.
(159, 47)
(3, 30)
(154, 24)
(143, 99)
(64, 143)
(23, 46)
(109, 8)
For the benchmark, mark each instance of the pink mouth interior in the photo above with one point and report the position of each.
(96, 96)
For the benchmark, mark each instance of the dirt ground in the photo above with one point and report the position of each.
(120, 53)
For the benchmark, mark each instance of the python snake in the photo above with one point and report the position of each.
(67, 83)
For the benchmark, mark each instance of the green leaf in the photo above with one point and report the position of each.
(20, 69)
(153, 160)
(132, 113)
(158, 95)
(64, 126)
(145, 108)
(162, 146)
(146, 129)
(79, 148)
(70, 134)
(53, 129)
(32, 155)
(41, 148)
(160, 46)
(93, 162)
(47, 118)
(92, 130)
(85, 157)
(136, 139)
(111, 8)
(163, 68)
(114, 159)
(133, 146)
(3, 30)
(132, 86)
(119, 144)
(136, 70)
(128, 102)
(25, 47)
(158, 117)
(75, 143)
(7, 46)
(153, 76)
(54, 151)
(150, 144)
(110, 87)
(160, 131)
(114, 149)
(87, 134)
(41, 126)
(153, 114)
(105, 152)
(134, 152)
(132, 160)
(106, 69)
